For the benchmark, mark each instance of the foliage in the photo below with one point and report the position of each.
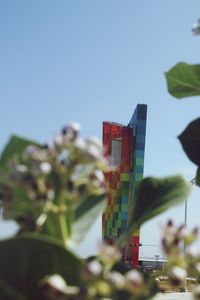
(184, 80)
(54, 192)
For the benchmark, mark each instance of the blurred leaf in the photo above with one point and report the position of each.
(197, 178)
(20, 204)
(86, 214)
(58, 226)
(154, 197)
(26, 259)
(183, 80)
(7, 293)
(15, 145)
(55, 177)
(190, 141)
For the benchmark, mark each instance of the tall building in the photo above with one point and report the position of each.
(125, 145)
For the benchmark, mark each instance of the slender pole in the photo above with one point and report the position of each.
(185, 223)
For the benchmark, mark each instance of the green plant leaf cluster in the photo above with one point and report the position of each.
(183, 80)
(26, 259)
(155, 196)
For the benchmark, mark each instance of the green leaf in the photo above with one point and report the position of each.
(183, 80)
(20, 204)
(26, 259)
(155, 196)
(190, 141)
(197, 178)
(8, 293)
(58, 225)
(86, 214)
(15, 145)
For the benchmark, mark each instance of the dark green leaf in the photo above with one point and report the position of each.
(8, 293)
(154, 197)
(86, 214)
(58, 225)
(190, 141)
(20, 204)
(26, 259)
(15, 145)
(197, 178)
(183, 80)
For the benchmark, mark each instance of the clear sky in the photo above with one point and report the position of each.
(89, 61)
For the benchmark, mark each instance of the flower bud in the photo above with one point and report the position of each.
(177, 275)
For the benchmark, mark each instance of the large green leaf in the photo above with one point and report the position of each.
(86, 214)
(190, 141)
(197, 178)
(8, 293)
(155, 195)
(183, 80)
(15, 145)
(25, 259)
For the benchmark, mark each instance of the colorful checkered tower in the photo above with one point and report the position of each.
(125, 146)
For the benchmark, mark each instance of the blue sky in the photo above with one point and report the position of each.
(91, 61)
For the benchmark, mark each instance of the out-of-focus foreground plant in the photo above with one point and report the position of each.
(54, 192)
(183, 80)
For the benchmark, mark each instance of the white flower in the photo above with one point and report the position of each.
(109, 254)
(95, 141)
(80, 144)
(196, 28)
(95, 267)
(31, 149)
(94, 151)
(58, 140)
(45, 167)
(117, 279)
(57, 283)
(193, 251)
(134, 278)
(98, 175)
(75, 126)
(177, 273)
(21, 168)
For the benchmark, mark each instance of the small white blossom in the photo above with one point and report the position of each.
(196, 28)
(30, 150)
(56, 282)
(80, 144)
(193, 251)
(21, 168)
(93, 151)
(75, 126)
(109, 254)
(95, 267)
(134, 278)
(177, 273)
(117, 279)
(58, 140)
(95, 141)
(98, 175)
(45, 167)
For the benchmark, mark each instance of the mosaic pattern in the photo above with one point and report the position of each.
(125, 146)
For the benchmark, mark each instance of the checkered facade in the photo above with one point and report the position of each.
(125, 145)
